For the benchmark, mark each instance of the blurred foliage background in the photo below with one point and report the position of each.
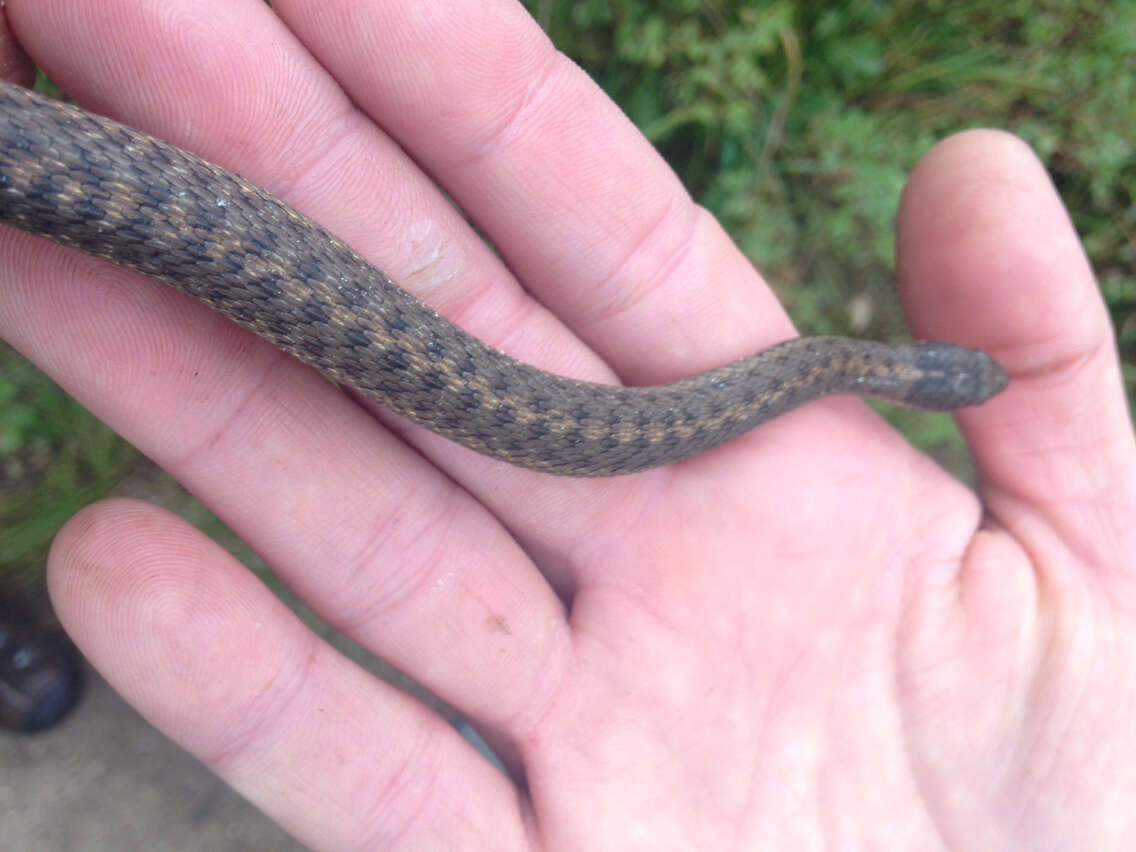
(796, 124)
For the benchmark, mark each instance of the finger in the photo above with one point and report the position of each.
(253, 106)
(261, 105)
(989, 257)
(589, 215)
(213, 659)
(373, 538)
(595, 224)
(15, 66)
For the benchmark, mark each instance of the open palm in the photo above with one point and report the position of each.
(812, 637)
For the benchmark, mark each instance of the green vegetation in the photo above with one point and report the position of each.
(796, 124)
(55, 458)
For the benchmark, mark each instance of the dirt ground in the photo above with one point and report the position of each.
(105, 780)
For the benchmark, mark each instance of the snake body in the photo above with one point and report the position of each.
(98, 186)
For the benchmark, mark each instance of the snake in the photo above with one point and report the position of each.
(95, 185)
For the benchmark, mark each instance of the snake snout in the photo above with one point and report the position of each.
(954, 377)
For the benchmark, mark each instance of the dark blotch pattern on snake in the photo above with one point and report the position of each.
(110, 191)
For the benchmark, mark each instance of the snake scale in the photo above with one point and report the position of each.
(105, 189)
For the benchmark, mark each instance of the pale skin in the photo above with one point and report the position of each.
(810, 638)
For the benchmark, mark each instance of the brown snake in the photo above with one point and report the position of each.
(87, 182)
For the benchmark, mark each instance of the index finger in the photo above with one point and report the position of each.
(588, 214)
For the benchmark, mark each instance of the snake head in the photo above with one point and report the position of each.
(954, 377)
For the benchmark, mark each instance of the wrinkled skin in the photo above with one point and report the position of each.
(809, 638)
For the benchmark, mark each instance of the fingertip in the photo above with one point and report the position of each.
(987, 253)
(989, 258)
(15, 65)
(158, 608)
(116, 550)
(89, 558)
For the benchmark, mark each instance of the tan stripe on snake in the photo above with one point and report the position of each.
(92, 184)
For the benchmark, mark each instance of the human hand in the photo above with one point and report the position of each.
(809, 636)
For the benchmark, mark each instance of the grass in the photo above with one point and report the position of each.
(55, 458)
(796, 124)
